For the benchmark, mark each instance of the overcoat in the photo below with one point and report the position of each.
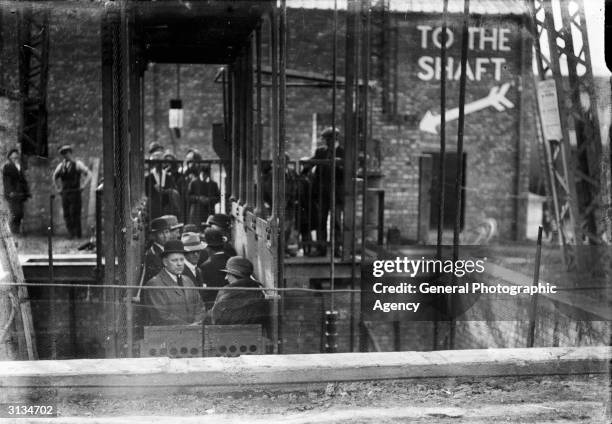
(172, 306)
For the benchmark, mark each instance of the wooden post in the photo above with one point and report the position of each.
(11, 272)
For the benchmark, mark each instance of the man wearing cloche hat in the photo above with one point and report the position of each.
(239, 306)
(67, 181)
(170, 304)
(222, 223)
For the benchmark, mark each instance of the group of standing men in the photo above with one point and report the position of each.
(182, 256)
(69, 178)
(185, 190)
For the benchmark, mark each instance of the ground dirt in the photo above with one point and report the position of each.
(575, 399)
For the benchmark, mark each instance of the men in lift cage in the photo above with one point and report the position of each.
(203, 194)
(212, 268)
(239, 306)
(16, 190)
(70, 178)
(193, 245)
(160, 184)
(170, 304)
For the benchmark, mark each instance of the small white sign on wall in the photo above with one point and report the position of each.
(549, 110)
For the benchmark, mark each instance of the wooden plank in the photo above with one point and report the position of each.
(11, 272)
(269, 370)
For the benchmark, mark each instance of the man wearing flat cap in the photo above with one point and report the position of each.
(16, 190)
(160, 234)
(239, 306)
(70, 178)
(193, 245)
(170, 303)
(212, 268)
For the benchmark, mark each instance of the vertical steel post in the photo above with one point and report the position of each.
(459, 175)
(442, 164)
(258, 123)
(275, 110)
(363, 123)
(331, 315)
(283, 166)
(250, 134)
(534, 298)
(52, 322)
(109, 27)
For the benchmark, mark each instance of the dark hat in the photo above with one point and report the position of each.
(173, 246)
(173, 221)
(329, 132)
(239, 267)
(155, 147)
(213, 237)
(65, 148)
(159, 224)
(218, 219)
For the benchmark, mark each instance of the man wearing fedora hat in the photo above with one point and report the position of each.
(212, 268)
(67, 181)
(175, 226)
(171, 304)
(239, 306)
(193, 245)
(160, 234)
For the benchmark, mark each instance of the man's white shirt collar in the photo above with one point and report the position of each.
(171, 275)
(191, 266)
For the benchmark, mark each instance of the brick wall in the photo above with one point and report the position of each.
(496, 142)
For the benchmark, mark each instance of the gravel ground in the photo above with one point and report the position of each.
(504, 399)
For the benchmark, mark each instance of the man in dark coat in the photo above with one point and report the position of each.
(68, 173)
(171, 305)
(321, 180)
(193, 246)
(240, 306)
(223, 224)
(16, 190)
(161, 185)
(203, 195)
(160, 234)
(212, 269)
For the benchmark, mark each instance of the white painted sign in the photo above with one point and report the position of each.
(548, 104)
(485, 44)
(496, 99)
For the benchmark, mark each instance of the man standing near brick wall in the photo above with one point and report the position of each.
(67, 180)
(16, 189)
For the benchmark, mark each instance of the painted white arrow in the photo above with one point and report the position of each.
(496, 99)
